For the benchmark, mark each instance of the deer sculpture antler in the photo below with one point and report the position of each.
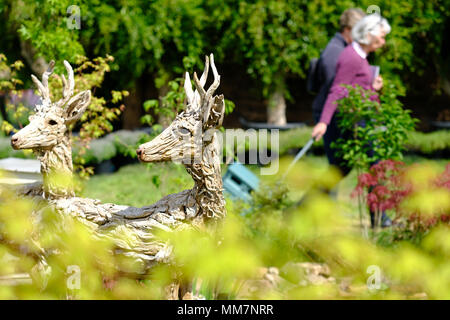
(43, 86)
(68, 87)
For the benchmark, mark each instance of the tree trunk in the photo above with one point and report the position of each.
(276, 109)
(131, 117)
(37, 64)
(446, 85)
(164, 120)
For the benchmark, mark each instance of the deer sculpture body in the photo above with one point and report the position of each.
(190, 139)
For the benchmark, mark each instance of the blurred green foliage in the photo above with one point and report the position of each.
(233, 260)
(172, 102)
(9, 83)
(271, 40)
(42, 24)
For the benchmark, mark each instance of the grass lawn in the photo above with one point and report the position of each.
(138, 184)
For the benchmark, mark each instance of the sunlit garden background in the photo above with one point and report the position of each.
(294, 239)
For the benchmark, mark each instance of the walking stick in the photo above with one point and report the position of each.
(300, 154)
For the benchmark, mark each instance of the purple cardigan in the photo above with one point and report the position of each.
(351, 69)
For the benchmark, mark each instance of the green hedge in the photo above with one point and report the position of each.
(418, 142)
(122, 142)
(428, 143)
(125, 142)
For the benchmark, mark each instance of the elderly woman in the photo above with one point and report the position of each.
(352, 69)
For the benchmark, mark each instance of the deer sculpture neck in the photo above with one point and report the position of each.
(48, 133)
(56, 164)
(191, 139)
(208, 182)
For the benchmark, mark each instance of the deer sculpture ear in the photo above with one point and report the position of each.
(77, 106)
(213, 115)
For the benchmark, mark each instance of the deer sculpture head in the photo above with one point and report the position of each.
(191, 139)
(48, 132)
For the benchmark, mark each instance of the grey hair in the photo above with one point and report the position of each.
(371, 24)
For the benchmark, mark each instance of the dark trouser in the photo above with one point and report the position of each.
(332, 134)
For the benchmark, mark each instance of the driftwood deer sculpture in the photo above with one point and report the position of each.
(48, 133)
(190, 139)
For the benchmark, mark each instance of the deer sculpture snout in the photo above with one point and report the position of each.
(139, 152)
(14, 142)
(145, 153)
(20, 141)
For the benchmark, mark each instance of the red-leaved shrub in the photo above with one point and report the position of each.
(384, 187)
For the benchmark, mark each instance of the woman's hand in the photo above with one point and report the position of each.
(378, 83)
(319, 130)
